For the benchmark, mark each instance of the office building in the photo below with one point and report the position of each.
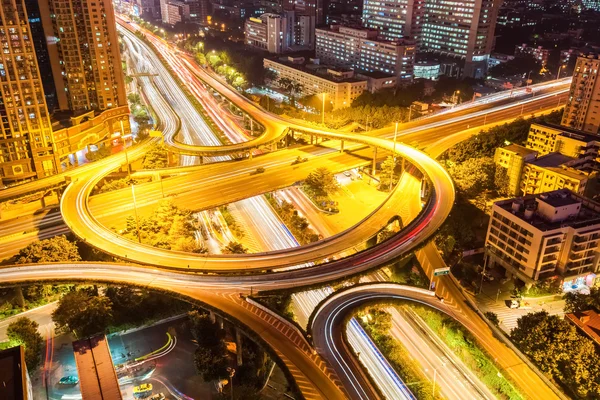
(343, 12)
(340, 86)
(26, 142)
(427, 70)
(280, 33)
(14, 377)
(270, 32)
(582, 111)
(452, 29)
(545, 235)
(359, 48)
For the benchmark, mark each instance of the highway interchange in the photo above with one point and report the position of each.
(76, 209)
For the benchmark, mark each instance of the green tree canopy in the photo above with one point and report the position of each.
(322, 181)
(577, 302)
(474, 175)
(156, 157)
(24, 331)
(554, 345)
(56, 249)
(83, 313)
(234, 248)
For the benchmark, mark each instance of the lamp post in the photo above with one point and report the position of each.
(558, 72)
(394, 156)
(323, 109)
(231, 373)
(137, 220)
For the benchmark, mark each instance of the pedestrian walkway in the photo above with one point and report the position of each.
(496, 297)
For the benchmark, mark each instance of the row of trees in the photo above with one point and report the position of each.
(297, 224)
(554, 345)
(88, 310)
(24, 332)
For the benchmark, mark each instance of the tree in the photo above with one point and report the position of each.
(322, 181)
(156, 157)
(25, 332)
(577, 302)
(83, 313)
(387, 174)
(502, 181)
(234, 248)
(473, 176)
(291, 88)
(518, 66)
(56, 249)
(558, 350)
(211, 356)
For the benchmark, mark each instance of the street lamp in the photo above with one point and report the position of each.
(394, 156)
(137, 220)
(558, 72)
(455, 98)
(231, 373)
(323, 109)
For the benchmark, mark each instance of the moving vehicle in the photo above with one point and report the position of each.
(142, 391)
(69, 380)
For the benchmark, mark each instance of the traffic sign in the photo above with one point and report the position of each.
(441, 271)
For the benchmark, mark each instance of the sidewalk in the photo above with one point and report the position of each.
(496, 296)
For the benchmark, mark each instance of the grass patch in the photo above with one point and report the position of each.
(466, 348)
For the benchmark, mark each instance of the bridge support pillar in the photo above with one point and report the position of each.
(311, 139)
(250, 155)
(201, 160)
(374, 168)
(341, 146)
(238, 345)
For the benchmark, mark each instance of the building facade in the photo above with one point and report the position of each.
(173, 12)
(513, 158)
(459, 30)
(270, 32)
(359, 48)
(27, 148)
(84, 54)
(545, 235)
(340, 86)
(582, 111)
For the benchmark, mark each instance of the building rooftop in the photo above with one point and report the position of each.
(12, 375)
(527, 209)
(518, 149)
(572, 132)
(588, 322)
(374, 74)
(551, 160)
(319, 70)
(98, 379)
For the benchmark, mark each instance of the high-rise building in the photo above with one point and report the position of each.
(458, 30)
(454, 29)
(279, 33)
(393, 18)
(26, 141)
(582, 111)
(41, 50)
(173, 12)
(359, 48)
(84, 51)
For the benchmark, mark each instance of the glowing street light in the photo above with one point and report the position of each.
(323, 109)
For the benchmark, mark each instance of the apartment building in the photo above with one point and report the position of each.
(85, 58)
(582, 111)
(340, 86)
(26, 141)
(359, 48)
(544, 235)
(457, 30)
(513, 158)
(16, 384)
(173, 12)
(546, 139)
(554, 171)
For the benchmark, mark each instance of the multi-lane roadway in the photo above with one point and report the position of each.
(437, 208)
